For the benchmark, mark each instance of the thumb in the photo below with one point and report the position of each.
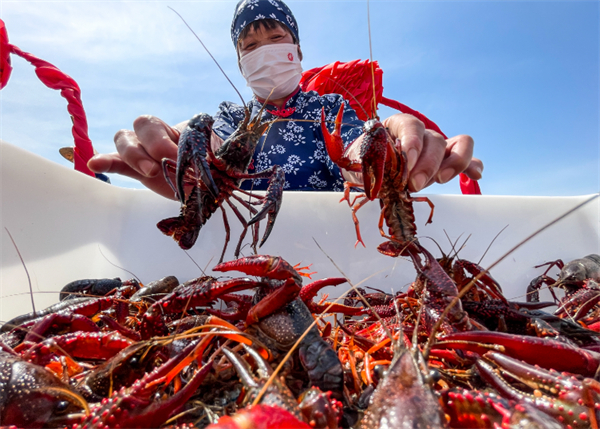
(112, 163)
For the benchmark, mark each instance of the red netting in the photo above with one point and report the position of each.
(352, 80)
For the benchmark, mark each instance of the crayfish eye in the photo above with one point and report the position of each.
(134, 362)
(61, 407)
(379, 371)
(434, 376)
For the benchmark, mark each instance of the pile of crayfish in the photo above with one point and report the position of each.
(451, 351)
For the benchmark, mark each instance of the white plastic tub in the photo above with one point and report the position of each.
(69, 226)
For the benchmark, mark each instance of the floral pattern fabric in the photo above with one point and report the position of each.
(248, 11)
(295, 142)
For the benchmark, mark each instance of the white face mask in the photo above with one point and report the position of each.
(274, 68)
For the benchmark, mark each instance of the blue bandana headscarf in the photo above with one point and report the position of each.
(248, 11)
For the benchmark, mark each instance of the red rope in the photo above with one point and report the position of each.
(53, 78)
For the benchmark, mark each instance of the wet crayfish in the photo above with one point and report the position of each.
(384, 176)
(214, 177)
(277, 315)
(189, 365)
(117, 363)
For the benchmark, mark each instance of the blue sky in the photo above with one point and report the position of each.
(522, 78)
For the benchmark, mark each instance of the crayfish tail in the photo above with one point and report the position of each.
(176, 227)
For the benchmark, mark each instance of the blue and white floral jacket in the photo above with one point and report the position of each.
(296, 142)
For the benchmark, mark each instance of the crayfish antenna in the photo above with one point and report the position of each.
(25, 267)
(371, 58)
(67, 394)
(453, 245)
(398, 345)
(262, 108)
(358, 103)
(490, 245)
(211, 55)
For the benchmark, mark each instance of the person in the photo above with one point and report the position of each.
(269, 57)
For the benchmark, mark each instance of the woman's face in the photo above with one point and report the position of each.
(263, 36)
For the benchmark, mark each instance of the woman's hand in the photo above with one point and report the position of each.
(431, 158)
(140, 153)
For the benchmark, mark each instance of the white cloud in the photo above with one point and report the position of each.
(115, 31)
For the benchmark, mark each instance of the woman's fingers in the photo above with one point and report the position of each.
(412, 139)
(112, 163)
(140, 154)
(425, 149)
(133, 154)
(144, 148)
(459, 152)
(429, 161)
(458, 159)
(409, 132)
(430, 157)
(158, 139)
(475, 169)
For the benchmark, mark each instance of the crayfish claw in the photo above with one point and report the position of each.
(277, 393)
(334, 143)
(272, 267)
(262, 368)
(272, 204)
(242, 368)
(194, 143)
(373, 153)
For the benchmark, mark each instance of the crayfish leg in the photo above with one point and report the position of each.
(424, 200)
(273, 202)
